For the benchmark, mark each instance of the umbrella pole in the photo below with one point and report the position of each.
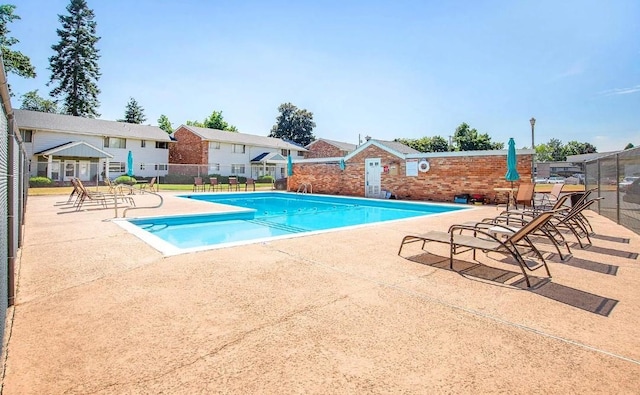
(511, 198)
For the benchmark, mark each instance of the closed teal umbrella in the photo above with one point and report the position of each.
(130, 164)
(512, 164)
(342, 164)
(289, 166)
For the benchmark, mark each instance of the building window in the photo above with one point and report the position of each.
(143, 143)
(214, 167)
(237, 169)
(284, 152)
(161, 167)
(27, 136)
(162, 144)
(300, 153)
(116, 167)
(115, 142)
(238, 148)
(214, 144)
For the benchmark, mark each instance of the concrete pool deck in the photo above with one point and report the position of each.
(99, 311)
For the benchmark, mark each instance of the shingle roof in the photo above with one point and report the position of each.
(26, 119)
(242, 138)
(338, 144)
(396, 146)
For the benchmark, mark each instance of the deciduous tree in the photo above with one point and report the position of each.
(426, 144)
(32, 101)
(165, 124)
(577, 148)
(214, 121)
(467, 139)
(294, 124)
(14, 61)
(74, 67)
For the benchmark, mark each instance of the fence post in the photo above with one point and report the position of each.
(618, 189)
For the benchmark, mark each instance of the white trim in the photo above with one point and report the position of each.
(453, 154)
(53, 151)
(379, 145)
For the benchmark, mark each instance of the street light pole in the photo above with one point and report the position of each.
(533, 147)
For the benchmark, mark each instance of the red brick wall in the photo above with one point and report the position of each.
(448, 176)
(322, 149)
(189, 148)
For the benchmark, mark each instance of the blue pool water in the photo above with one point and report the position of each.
(270, 215)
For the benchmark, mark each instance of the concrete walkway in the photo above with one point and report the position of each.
(100, 312)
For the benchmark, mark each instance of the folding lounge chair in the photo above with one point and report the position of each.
(151, 185)
(250, 182)
(571, 219)
(233, 183)
(75, 192)
(198, 185)
(512, 220)
(213, 184)
(463, 238)
(525, 195)
(113, 188)
(103, 199)
(547, 200)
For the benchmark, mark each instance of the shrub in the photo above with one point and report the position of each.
(39, 182)
(125, 180)
(178, 179)
(265, 180)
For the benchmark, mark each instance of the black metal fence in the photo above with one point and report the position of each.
(617, 177)
(13, 195)
(59, 172)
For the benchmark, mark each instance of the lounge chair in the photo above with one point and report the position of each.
(524, 195)
(463, 238)
(198, 185)
(512, 221)
(151, 185)
(571, 219)
(250, 182)
(113, 188)
(233, 183)
(98, 198)
(547, 200)
(75, 192)
(213, 184)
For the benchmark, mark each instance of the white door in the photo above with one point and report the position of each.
(69, 169)
(372, 177)
(83, 170)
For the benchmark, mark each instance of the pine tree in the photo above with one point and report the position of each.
(74, 67)
(134, 113)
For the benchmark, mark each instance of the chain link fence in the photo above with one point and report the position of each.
(617, 177)
(60, 171)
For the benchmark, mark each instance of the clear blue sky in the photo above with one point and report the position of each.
(386, 69)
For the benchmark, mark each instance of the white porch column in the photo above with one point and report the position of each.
(49, 164)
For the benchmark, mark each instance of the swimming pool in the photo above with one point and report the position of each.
(263, 216)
